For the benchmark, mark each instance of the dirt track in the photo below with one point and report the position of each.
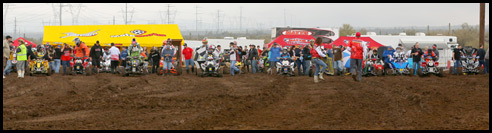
(247, 101)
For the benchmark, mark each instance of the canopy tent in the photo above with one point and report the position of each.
(120, 35)
(343, 40)
(16, 42)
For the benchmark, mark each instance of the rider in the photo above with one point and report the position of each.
(285, 54)
(429, 54)
(81, 50)
(399, 55)
(200, 53)
(388, 57)
(134, 50)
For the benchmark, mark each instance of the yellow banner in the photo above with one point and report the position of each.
(120, 35)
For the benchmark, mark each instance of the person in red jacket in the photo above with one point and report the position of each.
(188, 53)
(358, 49)
(320, 66)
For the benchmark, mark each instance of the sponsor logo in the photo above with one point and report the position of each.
(296, 41)
(297, 32)
(138, 33)
(71, 34)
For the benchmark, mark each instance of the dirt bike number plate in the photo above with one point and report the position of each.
(285, 69)
(78, 67)
(133, 69)
(401, 70)
(210, 69)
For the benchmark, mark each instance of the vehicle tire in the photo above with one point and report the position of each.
(389, 72)
(122, 71)
(480, 70)
(49, 72)
(88, 70)
(199, 72)
(441, 73)
(145, 71)
(379, 72)
(412, 72)
(158, 71)
(460, 71)
(311, 73)
(419, 72)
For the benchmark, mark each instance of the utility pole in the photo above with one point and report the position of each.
(15, 26)
(218, 21)
(60, 14)
(285, 19)
(449, 29)
(113, 20)
(126, 13)
(168, 13)
(196, 20)
(428, 30)
(240, 18)
(6, 9)
(482, 23)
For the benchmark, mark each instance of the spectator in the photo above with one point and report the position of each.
(96, 55)
(274, 53)
(167, 55)
(436, 51)
(337, 58)
(306, 56)
(6, 52)
(481, 54)
(253, 58)
(188, 52)
(115, 54)
(56, 58)
(358, 49)
(66, 57)
(155, 56)
(297, 58)
(259, 50)
(234, 57)
(329, 61)
(11, 58)
(21, 59)
(317, 53)
(123, 57)
(416, 57)
(244, 56)
(457, 53)
(487, 61)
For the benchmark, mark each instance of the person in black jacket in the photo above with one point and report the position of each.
(57, 59)
(253, 58)
(481, 57)
(416, 55)
(96, 55)
(306, 55)
(155, 57)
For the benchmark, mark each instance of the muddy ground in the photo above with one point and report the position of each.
(246, 101)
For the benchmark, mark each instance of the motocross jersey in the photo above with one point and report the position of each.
(399, 56)
(428, 55)
(79, 51)
(200, 53)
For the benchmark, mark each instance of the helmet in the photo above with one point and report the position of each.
(205, 40)
(34, 50)
(285, 48)
(211, 48)
(357, 34)
(311, 41)
(77, 41)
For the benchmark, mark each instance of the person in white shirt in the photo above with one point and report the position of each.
(115, 54)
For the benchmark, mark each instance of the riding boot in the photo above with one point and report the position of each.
(22, 74)
(187, 71)
(321, 76)
(18, 73)
(316, 79)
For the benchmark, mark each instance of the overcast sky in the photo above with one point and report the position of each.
(30, 17)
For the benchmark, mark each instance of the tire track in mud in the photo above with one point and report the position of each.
(231, 107)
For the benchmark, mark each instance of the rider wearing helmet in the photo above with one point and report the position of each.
(134, 49)
(399, 55)
(285, 53)
(81, 50)
(429, 54)
(200, 53)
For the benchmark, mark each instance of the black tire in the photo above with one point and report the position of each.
(379, 72)
(480, 70)
(158, 71)
(441, 72)
(419, 72)
(145, 71)
(49, 72)
(122, 71)
(311, 73)
(460, 71)
(88, 70)
(389, 72)
(199, 72)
